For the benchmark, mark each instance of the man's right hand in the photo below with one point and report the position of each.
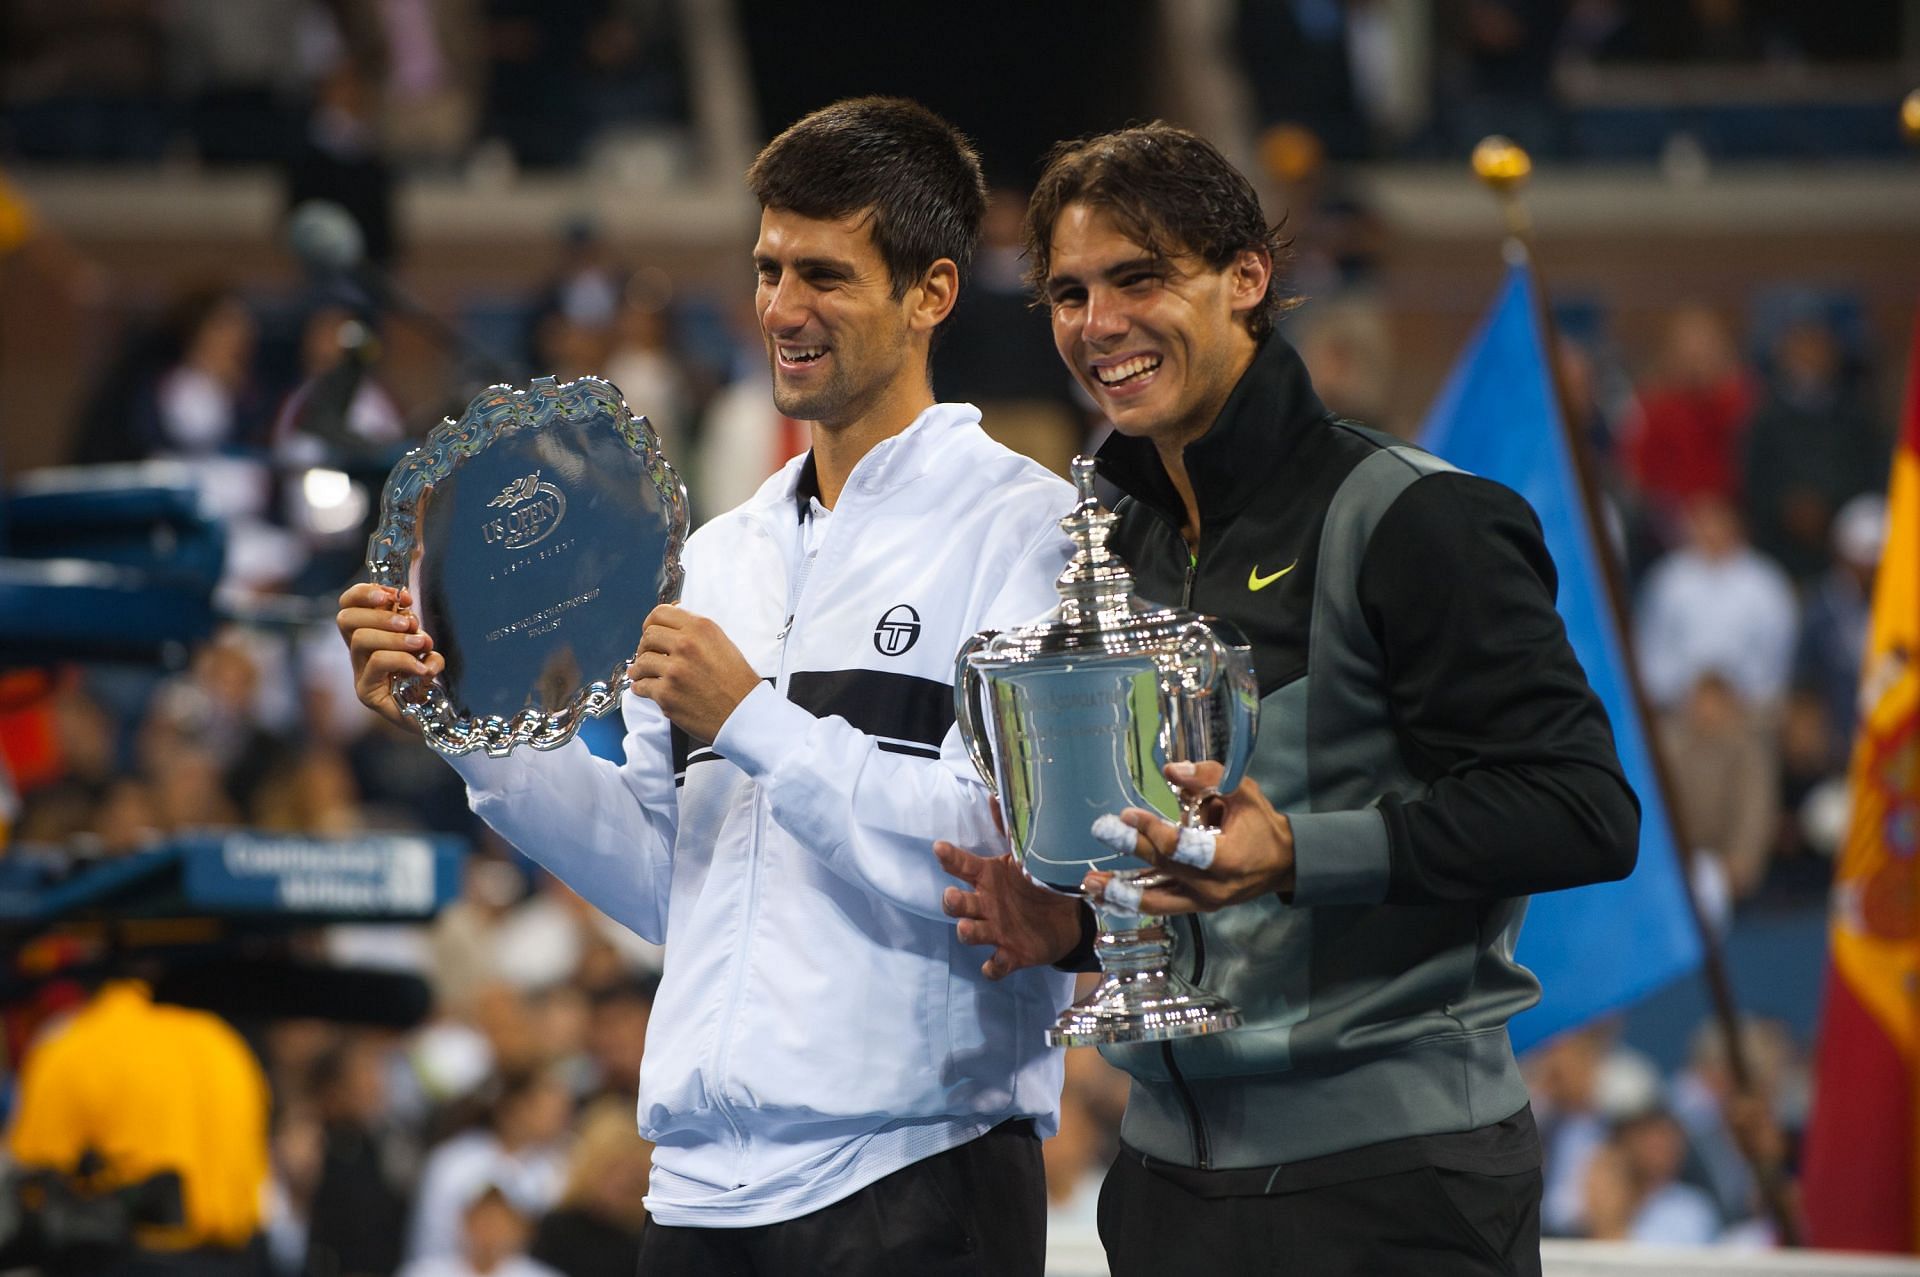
(385, 639)
(1027, 925)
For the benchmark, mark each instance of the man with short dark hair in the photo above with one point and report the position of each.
(831, 1087)
(1429, 753)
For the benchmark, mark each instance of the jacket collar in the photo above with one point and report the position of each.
(1236, 458)
(889, 463)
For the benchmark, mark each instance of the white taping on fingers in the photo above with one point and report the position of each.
(1121, 895)
(1114, 833)
(1195, 846)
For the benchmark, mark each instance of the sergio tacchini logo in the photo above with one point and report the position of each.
(1257, 582)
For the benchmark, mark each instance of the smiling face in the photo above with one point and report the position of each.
(1158, 341)
(843, 349)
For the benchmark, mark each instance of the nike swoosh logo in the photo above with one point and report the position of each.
(1257, 582)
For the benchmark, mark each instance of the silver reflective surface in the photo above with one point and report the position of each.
(1074, 716)
(536, 533)
(1071, 743)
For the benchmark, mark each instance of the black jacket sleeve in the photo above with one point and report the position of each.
(1490, 704)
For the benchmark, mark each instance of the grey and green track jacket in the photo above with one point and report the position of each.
(1433, 741)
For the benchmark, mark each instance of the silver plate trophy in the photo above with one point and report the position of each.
(1072, 717)
(536, 533)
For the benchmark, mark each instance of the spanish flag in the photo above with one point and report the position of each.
(1861, 1172)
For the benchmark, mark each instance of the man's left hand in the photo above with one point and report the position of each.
(691, 670)
(1252, 853)
(1027, 925)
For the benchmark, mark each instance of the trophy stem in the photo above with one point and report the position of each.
(1140, 998)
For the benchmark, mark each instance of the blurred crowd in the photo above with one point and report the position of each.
(1743, 454)
(420, 84)
(486, 86)
(1698, 1158)
(1375, 78)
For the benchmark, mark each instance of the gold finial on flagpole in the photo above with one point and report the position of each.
(1910, 118)
(1501, 164)
(1503, 167)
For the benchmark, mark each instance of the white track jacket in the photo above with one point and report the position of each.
(818, 1024)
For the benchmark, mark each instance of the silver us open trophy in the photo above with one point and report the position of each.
(1072, 717)
(536, 533)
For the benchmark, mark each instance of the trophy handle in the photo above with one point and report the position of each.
(1223, 668)
(967, 683)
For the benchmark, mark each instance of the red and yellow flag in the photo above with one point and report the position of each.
(1861, 1172)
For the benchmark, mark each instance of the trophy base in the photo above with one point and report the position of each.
(1142, 1006)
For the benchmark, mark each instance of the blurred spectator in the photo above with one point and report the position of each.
(1580, 1082)
(617, 1038)
(595, 1229)
(1814, 806)
(196, 355)
(298, 1148)
(184, 391)
(1336, 236)
(424, 60)
(309, 791)
(146, 1089)
(223, 709)
(1715, 605)
(1726, 782)
(1633, 1190)
(360, 1204)
(1813, 445)
(339, 161)
(1599, 396)
(494, 1231)
(463, 932)
(521, 1151)
(1348, 349)
(205, 401)
(996, 350)
(1833, 630)
(1725, 1125)
(641, 359)
(573, 318)
(1685, 439)
(743, 437)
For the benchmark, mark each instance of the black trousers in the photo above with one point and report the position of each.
(1418, 1223)
(979, 1210)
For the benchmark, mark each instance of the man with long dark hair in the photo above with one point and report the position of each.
(1429, 754)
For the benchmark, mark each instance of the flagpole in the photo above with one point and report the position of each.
(1504, 167)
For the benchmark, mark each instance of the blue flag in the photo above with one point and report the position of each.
(1600, 948)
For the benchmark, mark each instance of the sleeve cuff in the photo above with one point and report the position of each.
(486, 775)
(763, 731)
(483, 773)
(1340, 857)
(1080, 958)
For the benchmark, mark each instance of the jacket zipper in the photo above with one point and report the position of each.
(724, 1061)
(1202, 1152)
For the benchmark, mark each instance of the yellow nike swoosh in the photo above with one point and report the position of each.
(1257, 582)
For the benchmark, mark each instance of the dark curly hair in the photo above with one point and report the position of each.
(1170, 190)
(918, 174)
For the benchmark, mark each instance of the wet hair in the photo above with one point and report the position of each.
(915, 175)
(1171, 191)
